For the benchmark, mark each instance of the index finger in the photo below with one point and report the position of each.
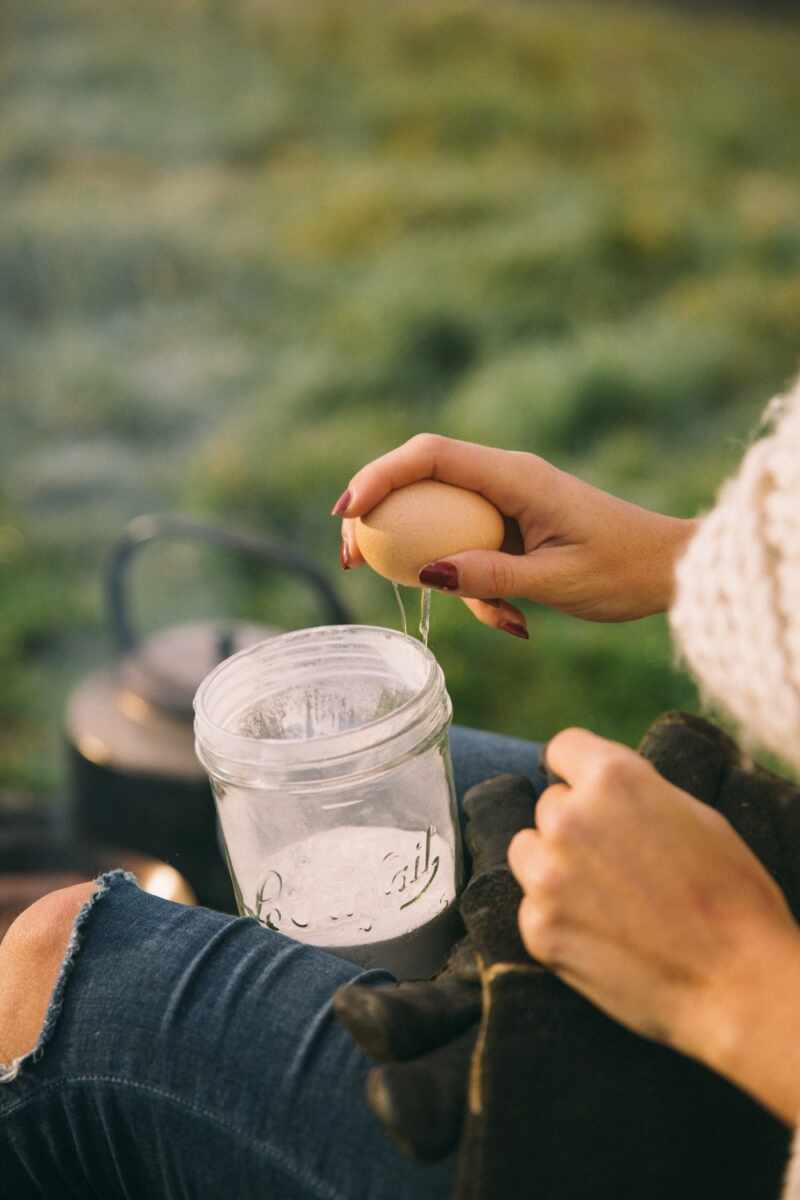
(504, 477)
(574, 753)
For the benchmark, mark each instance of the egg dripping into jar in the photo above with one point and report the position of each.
(422, 523)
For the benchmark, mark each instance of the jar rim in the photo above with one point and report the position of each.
(384, 738)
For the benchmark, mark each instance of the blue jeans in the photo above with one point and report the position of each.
(187, 1053)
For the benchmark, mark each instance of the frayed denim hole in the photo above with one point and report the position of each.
(10, 1071)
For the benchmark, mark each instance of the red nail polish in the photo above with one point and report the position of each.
(515, 629)
(440, 575)
(344, 556)
(342, 504)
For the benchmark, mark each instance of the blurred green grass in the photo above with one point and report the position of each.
(246, 246)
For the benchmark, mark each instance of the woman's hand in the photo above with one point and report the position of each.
(648, 902)
(569, 545)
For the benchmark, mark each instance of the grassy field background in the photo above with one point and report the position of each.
(246, 246)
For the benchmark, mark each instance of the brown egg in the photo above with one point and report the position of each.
(424, 522)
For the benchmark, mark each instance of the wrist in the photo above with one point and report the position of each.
(747, 1025)
(669, 540)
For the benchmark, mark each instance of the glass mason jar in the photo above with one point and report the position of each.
(328, 755)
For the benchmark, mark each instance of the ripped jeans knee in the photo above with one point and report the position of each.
(186, 1052)
(36, 956)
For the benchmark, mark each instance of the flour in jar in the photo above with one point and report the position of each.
(378, 895)
(355, 883)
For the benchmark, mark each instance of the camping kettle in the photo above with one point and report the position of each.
(134, 779)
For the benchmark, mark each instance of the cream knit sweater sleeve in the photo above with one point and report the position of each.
(736, 613)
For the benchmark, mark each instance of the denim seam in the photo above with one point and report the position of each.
(287, 1165)
(10, 1071)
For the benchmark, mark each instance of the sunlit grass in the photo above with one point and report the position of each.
(246, 246)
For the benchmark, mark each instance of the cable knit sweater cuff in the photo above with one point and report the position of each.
(736, 613)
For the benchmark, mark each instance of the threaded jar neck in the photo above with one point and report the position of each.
(320, 707)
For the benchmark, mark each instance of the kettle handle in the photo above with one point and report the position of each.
(145, 529)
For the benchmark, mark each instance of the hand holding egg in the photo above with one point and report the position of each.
(567, 544)
(413, 530)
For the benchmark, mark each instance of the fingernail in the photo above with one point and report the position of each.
(515, 629)
(440, 575)
(342, 504)
(344, 556)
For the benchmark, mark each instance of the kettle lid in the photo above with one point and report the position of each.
(166, 669)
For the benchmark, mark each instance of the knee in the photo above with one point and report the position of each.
(47, 923)
(31, 954)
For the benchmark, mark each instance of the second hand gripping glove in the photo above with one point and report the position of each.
(551, 1098)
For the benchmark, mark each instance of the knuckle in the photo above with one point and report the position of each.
(521, 846)
(568, 826)
(617, 769)
(547, 813)
(540, 929)
(564, 736)
(558, 817)
(523, 861)
(428, 443)
(552, 878)
(526, 460)
(501, 578)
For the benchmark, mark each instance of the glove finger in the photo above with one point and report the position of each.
(690, 753)
(495, 810)
(403, 1020)
(421, 1103)
(489, 906)
(750, 801)
(462, 964)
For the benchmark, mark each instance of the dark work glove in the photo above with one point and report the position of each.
(425, 1032)
(546, 1096)
(763, 808)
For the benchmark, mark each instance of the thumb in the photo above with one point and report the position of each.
(486, 573)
